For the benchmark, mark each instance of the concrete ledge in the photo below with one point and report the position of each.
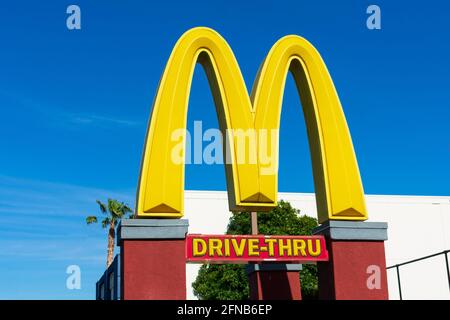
(250, 268)
(138, 229)
(353, 230)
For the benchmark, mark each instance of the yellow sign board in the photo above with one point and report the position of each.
(251, 187)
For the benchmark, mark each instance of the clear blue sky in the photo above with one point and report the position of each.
(74, 107)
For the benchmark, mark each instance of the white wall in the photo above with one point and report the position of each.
(417, 226)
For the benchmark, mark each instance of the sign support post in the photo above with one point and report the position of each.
(254, 222)
(153, 259)
(274, 281)
(356, 269)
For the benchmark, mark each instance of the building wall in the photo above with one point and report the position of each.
(417, 226)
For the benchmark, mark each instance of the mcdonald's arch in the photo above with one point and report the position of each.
(338, 187)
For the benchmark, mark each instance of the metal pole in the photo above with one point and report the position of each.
(448, 269)
(254, 220)
(399, 283)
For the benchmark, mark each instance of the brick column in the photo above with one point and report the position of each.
(153, 258)
(274, 281)
(356, 269)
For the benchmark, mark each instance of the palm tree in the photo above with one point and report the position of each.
(114, 211)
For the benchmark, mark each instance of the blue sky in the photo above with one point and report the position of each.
(75, 104)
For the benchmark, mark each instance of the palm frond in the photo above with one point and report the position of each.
(102, 206)
(126, 209)
(113, 207)
(91, 219)
(118, 209)
(106, 222)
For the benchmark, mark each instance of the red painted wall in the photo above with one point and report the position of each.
(345, 276)
(153, 269)
(275, 285)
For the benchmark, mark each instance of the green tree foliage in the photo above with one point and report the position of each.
(221, 282)
(229, 281)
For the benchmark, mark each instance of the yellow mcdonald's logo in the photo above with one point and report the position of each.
(339, 191)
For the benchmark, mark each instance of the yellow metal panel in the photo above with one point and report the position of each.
(161, 183)
(251, 186)
(338, 186)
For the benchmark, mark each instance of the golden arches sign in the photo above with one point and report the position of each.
(339, 191)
